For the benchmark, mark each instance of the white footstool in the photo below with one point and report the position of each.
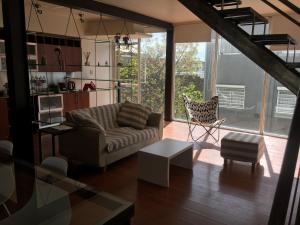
(243, 147)
(56, 165)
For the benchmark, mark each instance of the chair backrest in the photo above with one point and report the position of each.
(206, 112)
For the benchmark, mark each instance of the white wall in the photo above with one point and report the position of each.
(192, 32)
(281, 25)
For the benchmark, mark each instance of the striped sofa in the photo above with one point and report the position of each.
(101, 148)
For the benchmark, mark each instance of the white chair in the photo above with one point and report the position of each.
(205, 115)
(56, 165)
(6, 147)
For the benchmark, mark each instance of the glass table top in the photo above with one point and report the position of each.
(33, 195)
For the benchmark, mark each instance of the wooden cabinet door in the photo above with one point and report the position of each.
(73, 58)
(4, 121)
(50, 58)
(70, 102)
(83, 100)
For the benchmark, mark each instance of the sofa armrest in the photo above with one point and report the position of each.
(156, 120)
(84, 144)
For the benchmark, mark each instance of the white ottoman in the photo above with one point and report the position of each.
(56, 165)
(243, 147)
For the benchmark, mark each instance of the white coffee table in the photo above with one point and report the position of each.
(154, 160)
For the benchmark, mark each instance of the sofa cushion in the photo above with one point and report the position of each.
(133, 115)
(106, 115)
(83, 119)
(118, 138)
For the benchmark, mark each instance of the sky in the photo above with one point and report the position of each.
(160, 37)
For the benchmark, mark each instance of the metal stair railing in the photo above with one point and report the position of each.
(255, 51)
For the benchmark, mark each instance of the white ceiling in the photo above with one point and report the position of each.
(174, 12)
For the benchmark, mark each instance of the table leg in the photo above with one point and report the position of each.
(53, 145)
(153, 169)
(40, 146)
(185, 159)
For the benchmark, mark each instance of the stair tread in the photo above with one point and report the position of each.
(218, 3)
(244, 16)
(294, 65)
(273, 39)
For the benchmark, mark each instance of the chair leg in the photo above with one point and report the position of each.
(253, 167)
(6, 209)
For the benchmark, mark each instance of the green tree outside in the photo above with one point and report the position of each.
(152, 73)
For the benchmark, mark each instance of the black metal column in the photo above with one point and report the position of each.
(169, 75)
(18, 79)
(286, 177)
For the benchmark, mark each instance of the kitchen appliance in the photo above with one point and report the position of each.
(71, 85)
(62, 86)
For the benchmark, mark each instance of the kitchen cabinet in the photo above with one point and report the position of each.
(49, 60)
(76, 100)
(4, 120)
(57, 58)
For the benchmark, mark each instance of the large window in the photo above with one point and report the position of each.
(280, 104)
(152, 71)
(192, 63)
(239, 86)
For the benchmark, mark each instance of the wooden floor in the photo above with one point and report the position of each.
(206, 195)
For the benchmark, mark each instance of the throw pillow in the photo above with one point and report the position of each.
(133, 115)
(83, 119)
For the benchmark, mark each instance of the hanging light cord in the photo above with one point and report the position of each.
(101, 22)
(37, 15)
(68, 23)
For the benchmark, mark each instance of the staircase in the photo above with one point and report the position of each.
(227, 23)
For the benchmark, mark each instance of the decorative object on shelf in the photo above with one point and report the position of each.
(43, 60)
(59, 58)
(90, 86)
(71, 85)
(86, 57)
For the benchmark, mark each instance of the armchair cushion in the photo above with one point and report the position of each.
(133, 115)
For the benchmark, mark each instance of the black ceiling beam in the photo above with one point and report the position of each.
(291, 6)
(96, 7)
(18, 78)
(282, 12)
(259, 54)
